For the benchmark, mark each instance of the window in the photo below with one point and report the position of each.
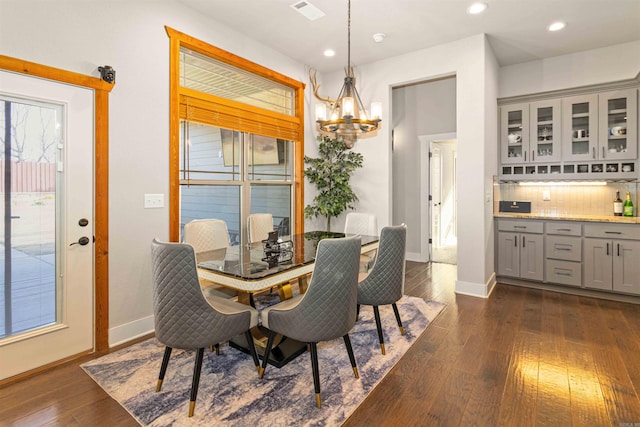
(236, 140)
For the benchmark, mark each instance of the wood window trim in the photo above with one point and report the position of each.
(101, 171)
(178, 40)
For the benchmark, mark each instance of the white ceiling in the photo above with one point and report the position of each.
(516, 28)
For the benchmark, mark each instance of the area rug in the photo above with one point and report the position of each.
(230, 392)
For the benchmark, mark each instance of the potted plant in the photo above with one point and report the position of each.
(331, 173)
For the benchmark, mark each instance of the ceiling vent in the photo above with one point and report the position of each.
(308, 10)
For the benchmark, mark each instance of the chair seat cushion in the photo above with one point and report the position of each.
(226, 306)
(284, 305)
(213, 290)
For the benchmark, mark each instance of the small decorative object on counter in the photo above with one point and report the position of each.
(628, 205)
(617, 204)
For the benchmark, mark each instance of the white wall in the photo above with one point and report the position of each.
(607, 64)
(80, 35)
(420, 109)
(471, 61)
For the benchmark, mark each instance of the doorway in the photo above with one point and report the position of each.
(443, 197)
(47, 132)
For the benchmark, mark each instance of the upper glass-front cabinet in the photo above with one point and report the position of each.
(544, 141)
(618, 125)
(514, 133)
(580, 128)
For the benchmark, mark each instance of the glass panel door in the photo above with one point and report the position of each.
(580, 127)
(514, 132)
(30, 138)
(545, 131)
(46, 297)
(618, 125)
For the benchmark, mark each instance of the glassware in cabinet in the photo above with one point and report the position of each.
(618, 137)
(545, 131)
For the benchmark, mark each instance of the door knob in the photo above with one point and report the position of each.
(84, 240)
(83, 222)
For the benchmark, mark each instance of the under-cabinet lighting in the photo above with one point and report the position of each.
(562, 183)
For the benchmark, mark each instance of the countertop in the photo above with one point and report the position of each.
(571, 217)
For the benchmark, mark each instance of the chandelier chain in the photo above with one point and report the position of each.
(349, 38)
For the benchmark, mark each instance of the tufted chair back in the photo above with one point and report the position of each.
(183, 317)
(206, 234)
(328, 308)
(259, 226)
(364, 224)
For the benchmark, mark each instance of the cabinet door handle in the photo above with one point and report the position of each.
(520, 226)
(618, 249)
(613, 232)
(603, 156)
(607, 249)
(533, 155)
(564, 229)
(593, 152)
(515, 242)
(525, 156)
(523, 245)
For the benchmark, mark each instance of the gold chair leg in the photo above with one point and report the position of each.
(159, 386)
(318, 400)
(192, 407)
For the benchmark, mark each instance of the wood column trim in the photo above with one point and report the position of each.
(174, 139)
(101, 172)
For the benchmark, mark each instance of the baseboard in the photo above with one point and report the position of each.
(129, 331)
(572, 290)
(416, 257)
(479, 290)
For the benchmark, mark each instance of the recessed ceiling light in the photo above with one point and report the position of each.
(557, 26)
(329, 52)
(379, 37)
(476, 8)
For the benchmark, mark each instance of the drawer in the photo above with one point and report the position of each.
(612, 231)
(520, 226)
(563, 228)
(563, 272)
(563, 248)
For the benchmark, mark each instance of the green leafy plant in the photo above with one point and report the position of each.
(331, 173)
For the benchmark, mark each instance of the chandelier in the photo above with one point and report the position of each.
(347, 117)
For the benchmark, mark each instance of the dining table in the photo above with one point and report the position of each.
(257, 268)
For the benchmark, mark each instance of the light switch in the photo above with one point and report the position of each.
(152, 201)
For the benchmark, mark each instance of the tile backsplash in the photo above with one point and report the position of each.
(567, 199)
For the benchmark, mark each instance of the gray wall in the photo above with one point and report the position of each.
(418, 109)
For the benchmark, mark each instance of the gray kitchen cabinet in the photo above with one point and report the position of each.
(612, 265)
(521, 249)
(591, 133)
(563, 253)
(580, 128)
(612, 257)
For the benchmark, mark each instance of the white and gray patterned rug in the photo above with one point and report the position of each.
(230, 392)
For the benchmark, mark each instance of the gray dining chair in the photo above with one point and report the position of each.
(186, 319)
(364, 224)
(328, 308)
(385, 283)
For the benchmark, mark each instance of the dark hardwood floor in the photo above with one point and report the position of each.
(523, 357)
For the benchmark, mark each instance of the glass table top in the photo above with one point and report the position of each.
(250, 262)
